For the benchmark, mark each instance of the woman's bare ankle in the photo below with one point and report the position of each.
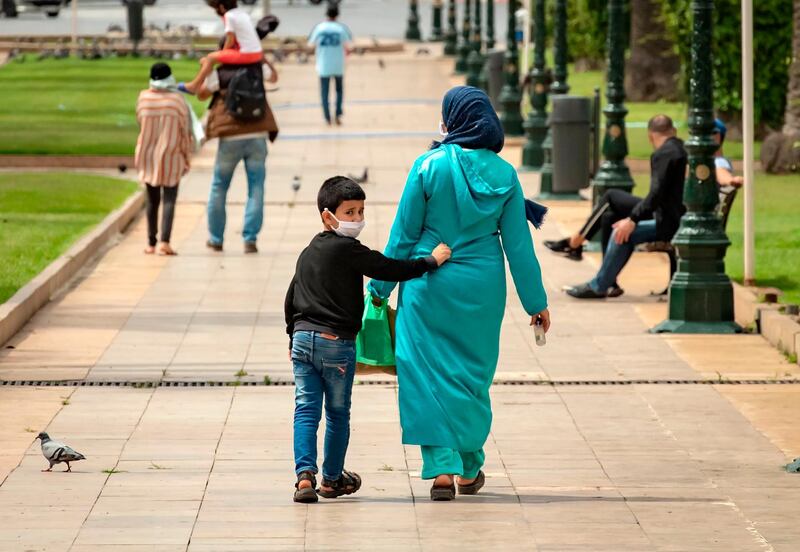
(443, 480)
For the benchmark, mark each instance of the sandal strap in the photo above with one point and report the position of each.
(348, 480)
(306, 476)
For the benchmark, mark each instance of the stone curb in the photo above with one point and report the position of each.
(780, 330)
(66, 161)
(21, 307)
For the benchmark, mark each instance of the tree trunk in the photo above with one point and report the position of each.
(780, 152)
(792, 117)
(653, 68)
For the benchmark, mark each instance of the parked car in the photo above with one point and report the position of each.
(50, 7)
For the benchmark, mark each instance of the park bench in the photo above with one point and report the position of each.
(727, 195)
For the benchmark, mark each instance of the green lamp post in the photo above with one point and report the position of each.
(510, 96)
(489, 24)
(475, 59)
(700, 293)
(613, 172)
(436, 32)
(412, 30)
(451, 36)
(559, 86)
(560, 51)
(464, 47)
(536, 124)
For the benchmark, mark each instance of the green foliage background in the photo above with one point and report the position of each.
(772, 36)
(772, 51)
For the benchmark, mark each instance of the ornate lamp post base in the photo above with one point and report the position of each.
(465, 46)
(611, 175)
(700, 293)
(546, 171)
(532, 152)
(510, 117)
(451, 36)
(475, 63)
(412, 31)
(436, 32)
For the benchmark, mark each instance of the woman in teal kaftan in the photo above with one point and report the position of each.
(448, 321)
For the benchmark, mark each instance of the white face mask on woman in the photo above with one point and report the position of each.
(442, 129)
(347, 229)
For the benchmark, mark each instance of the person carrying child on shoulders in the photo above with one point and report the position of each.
(242, 44)
(324, 307)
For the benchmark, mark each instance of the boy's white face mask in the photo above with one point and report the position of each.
(347, 229)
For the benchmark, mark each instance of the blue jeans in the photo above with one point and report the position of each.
(253, 151)
(617, 255)
(325, 86)
(323, 368)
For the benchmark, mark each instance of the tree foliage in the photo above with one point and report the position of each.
(772, 44)
(587, 29)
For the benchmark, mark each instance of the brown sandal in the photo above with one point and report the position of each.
(347, 484)
(309, 494)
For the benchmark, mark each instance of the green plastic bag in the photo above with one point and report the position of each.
(375, 341)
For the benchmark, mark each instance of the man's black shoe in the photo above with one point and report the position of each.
(559, 246)
(584, 291)
(575, 254)
(214, 246)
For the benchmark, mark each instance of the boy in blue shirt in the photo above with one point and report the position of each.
(330, 41)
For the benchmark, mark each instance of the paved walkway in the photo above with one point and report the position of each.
(570, 467)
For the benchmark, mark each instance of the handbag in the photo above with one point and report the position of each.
(375, 342)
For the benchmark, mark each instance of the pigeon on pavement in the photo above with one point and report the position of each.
(56, 452)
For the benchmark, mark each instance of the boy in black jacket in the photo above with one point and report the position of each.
(324, 307)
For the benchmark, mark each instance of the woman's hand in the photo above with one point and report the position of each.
(442, 253)
(544, 316)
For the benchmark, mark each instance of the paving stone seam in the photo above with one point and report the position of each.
(410, 486)
(211, 469)
(112, 470)
(600, 463)
(264, 288)
(53, 417)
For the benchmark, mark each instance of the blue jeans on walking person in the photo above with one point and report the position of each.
(323, 369)
(325, 87)
(617, 255)
(253, 151)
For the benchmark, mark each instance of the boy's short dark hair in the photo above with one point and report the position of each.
(336, 191)
(332, 12)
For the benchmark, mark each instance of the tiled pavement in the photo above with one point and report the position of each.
(589, 467)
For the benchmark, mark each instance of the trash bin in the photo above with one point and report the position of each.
(135, 21)
(494, 74)
(570, 125)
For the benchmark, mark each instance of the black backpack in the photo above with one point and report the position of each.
(245, 97)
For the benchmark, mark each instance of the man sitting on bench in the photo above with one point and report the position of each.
(626, 220)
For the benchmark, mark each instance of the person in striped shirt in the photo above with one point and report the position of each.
(163, 151)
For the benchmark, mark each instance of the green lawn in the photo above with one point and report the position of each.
(583, 84)
(74, 106)
(777, 233)
(43, 214)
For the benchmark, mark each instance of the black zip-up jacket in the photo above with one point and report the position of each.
(327, 291)
(664, 203)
